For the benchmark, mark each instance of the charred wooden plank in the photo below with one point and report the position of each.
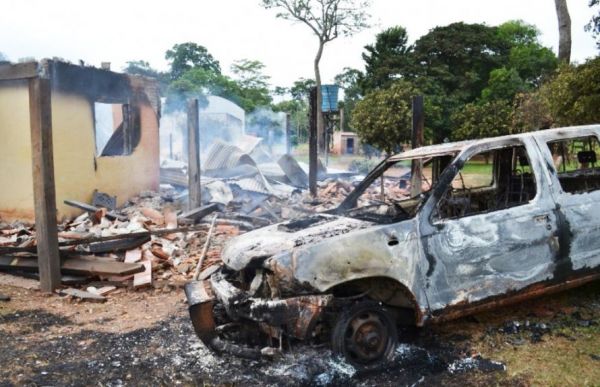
(13, 71)
(118, 245)
(89, 208)
(200, 212)
(75, 265)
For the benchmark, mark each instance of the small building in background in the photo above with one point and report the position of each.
(104, 132)
(346, 143)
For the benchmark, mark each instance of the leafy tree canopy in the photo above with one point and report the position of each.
(384, 118)
(594, 24)
(253, 85)
(300, 90)
(388, 59)
(504, 84)
(140, 67)
(249, 74)
(186, 56)
(349, 80)
(574, 94)
(460, 57)
(483, 120)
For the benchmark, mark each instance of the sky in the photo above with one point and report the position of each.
(117, 31)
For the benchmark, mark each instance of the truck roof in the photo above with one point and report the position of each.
(456, 147)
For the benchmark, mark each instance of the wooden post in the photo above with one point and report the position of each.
(44, 194)
(312, 142)
(171, 146)
(288, 134)
(418, 124)
(194, 198)
(127, 130)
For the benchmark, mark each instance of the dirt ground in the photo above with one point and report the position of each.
(145, 337)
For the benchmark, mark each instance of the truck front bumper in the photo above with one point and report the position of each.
(294, 317)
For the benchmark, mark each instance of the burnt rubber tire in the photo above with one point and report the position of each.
(365, 335)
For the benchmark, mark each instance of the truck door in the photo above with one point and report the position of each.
(490, 227)
(572, 158)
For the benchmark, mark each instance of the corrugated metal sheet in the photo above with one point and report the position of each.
(225, 156)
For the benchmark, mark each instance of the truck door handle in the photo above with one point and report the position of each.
(543, 218)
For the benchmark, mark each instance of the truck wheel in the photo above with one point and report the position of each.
(365, 335)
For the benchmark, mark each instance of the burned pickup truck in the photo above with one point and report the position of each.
(489, 222)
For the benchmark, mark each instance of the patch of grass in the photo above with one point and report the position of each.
(563, 357)
(477, 167)
(557, 361)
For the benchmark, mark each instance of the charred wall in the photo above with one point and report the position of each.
(78, 167)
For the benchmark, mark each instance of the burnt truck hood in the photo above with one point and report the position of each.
(258, 245)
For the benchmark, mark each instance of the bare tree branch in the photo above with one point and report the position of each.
(328, 19)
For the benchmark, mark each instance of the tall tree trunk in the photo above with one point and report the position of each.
(564, 31)
(320, 123)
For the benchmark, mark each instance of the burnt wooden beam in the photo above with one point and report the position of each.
(312, 142)
(288, 134)
(44, 194)
(194, 196)
(9, 72)
(89, 208)
(200, 212)
(75, 265)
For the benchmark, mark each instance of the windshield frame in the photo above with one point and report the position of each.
(351, 200)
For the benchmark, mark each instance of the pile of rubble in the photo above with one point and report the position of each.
(148, 242)
(154, 240)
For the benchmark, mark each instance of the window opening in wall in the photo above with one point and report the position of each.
(117, 129)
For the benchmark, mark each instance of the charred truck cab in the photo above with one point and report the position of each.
(493, 221)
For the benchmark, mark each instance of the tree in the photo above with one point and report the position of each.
(327, 19)
(531, 112)
(143, 68)
(140, 67)
(298, 111)
(249, 74)
(460, 57)
(388, 59)
(527, 56)
(574, 94)
(349, 80)
(594, 24)
(300, 90)
(384, 117)
(3, 58)
(252, 83)
(564, 31)
(186, 56)
(483, 120)
(504, 84)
